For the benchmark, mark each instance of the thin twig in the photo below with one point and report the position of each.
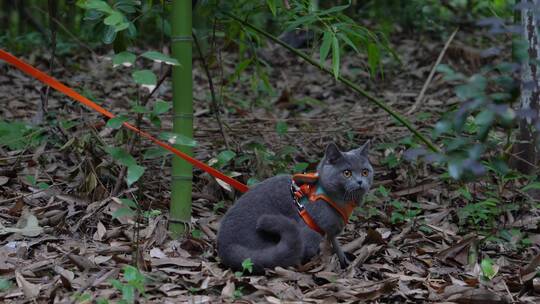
(66, 30)
(131, 143)
(420, 97)
(215, 104)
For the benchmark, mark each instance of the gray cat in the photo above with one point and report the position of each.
(270, 224)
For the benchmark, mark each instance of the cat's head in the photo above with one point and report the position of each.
(348, 175)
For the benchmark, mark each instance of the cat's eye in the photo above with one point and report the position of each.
(347, 173)
(365, 172)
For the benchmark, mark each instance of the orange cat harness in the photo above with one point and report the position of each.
(304, 186)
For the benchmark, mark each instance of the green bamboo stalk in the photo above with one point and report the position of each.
(401, 119)
(182, 171)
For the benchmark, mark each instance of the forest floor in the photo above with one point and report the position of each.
(408, 243)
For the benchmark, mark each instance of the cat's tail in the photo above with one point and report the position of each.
(287, 251)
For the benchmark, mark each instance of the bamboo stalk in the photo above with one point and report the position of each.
(181, 41)
(401, 119)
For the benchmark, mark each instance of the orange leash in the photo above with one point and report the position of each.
(57, 85)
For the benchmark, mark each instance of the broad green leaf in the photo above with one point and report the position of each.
(177, 139)
(325, 46)
(155, 152)
(124, 58)
(161, 107)
(128, 293)
(124, 211)
(373, 58)
(300, 167)
(114, 18)
(139, 109)
(281, 128)
(145, 78)
(98, 5)
(335, 56)
(116, 122)
(109, 35)
(488, 269)
(224, 157)
(5, 284)
(129, 203)
(121, 26)
(159, 57)
(120, 155)
(134, 172)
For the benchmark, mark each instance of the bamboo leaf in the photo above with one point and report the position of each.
(335, 57)
(349, 42)
(373, 58)
(272, 6)
(531, 186)
(325, 46)
(159, 57)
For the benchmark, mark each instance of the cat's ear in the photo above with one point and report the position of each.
(332, 153)
(364, 149)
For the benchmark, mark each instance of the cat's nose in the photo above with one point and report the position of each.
(359, 182)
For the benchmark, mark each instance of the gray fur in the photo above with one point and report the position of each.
(264, 224)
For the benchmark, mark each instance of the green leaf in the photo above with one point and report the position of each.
(155, 152)
(129, 203)
(128, 293)
(272, 6)
(349, 42)
(325, 46)
(335, 56)
(161, 107)
(116, 122)
(281, 128)
(134, 172)
(247, 264)
(488, 268)
(300, 167)
(144, 77)
(98, 5)
(224, 157)
(121, 26)
(114, 18)
(373, 58)
(177, 139)
(5, 284)
(139, 109)
(124, 211)
(124, 58)
(109, 35)
(159, 57)
(533, 185)
(120, 155)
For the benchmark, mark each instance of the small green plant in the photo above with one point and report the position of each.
(5, 284)
(404, 212)
(247, 267)
(489, 270)
(134, 283)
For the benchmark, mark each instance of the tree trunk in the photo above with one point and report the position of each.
(180, 215)
(526, 150)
